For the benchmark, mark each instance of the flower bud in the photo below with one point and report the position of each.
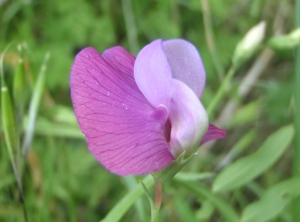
(285, 42)
(248, 44)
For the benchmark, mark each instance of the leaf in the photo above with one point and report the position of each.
(245, 114)
(116, 213)
(201, 191)
(46, 127)
(246, 169)
(34, 106)
(19, 89)
(10, 126)
(183, 210)
(272, 202)
(238, 147)
(185, 176)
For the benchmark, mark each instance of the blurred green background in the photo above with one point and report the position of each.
(61, 179)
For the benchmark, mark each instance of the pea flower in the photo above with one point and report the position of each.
(140, 114)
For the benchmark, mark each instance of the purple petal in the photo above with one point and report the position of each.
(119, 59)
(186, 64)
(213, 133)
(188, 119)
(123, 131)
(152, 74)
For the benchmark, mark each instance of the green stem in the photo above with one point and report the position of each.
(128, 200)
(157, 203)
(221, 91)
(130, 26)
(296, 160)
(210, 38)
(202, 192)
(130, 183)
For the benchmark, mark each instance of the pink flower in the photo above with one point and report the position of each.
(139, 115)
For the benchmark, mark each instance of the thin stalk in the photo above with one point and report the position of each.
(221, 91)
(128, 200)
(296, 160)
(208, 31)
(156, 207)
(130, 26)
(130, 183)
(11, 133)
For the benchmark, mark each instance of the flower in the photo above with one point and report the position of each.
(139, 115)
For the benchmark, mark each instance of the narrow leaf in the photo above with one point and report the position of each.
(124, 205)
(245, 114)
(10, 127)
(221, 205)
(34, 105)
(184, 176)
(11, 132)
(184, 211)
(238, 147)
(246, 169)
(44, 127)
(19, 89)
(9, 122)
(272, 202)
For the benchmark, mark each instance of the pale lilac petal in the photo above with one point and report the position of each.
(188, 119)
(213, 133)
(122, 129)
(152, 74)
(186, 64)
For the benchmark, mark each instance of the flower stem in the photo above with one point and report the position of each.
(296, 156)
(157, 202)
(221, 91)
(158, 196)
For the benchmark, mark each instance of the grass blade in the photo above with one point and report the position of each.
(34, 105)
(201, 191)
(130, 183)
(296, 159)
(11, 133)
(19, 89)
(251, 166)
(272, 202)
(123, 206)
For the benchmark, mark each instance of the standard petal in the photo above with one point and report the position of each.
(213, 133)
(119, 59)
(186, 64)
(120, 125)
(152, 74)
(188, 119)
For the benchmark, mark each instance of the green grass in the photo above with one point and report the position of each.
(62, 181)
